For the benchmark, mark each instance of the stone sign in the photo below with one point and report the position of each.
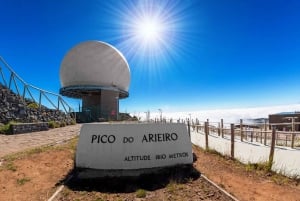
(133, 146)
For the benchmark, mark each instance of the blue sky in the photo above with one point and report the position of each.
(214, 54)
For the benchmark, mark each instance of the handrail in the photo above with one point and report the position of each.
(26, 87)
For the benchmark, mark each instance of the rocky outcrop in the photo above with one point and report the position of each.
(15, 108)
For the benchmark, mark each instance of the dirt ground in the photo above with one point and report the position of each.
(246, 184)
(36, 174)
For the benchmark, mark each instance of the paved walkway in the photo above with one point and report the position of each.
(15, 143)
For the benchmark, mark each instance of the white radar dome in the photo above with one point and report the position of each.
(95, 63)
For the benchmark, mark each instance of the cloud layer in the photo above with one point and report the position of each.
(229, 115)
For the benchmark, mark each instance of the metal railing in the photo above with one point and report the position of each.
(11, 80)
(253, 133)
(260, 133)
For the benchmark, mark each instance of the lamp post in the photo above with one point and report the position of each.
(147, 116)
(160, 114)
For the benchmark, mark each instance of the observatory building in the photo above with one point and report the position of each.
(97, 73)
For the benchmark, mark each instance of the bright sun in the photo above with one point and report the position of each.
(149, 26)
(149, 30)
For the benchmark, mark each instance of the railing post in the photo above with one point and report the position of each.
(256, 136)
(58, 101)
(241, 129)
(261, 134)
(10, 79)
(219, 129)
(293, 132)
(293, 140)
(16, 86)
(206, 134)
(265, 134)
(222, 126)
(208, 127)
(2, 75)
(189, 127)
(24, 91)
(293, 124)
(40, 100)
(232, 140)
(271, 156)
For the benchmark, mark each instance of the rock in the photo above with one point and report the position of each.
(12, 107)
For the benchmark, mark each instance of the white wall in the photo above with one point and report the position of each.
(286, 161)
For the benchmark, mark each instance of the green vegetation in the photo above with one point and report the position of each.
(6, 128)
(296, 178)
(213, 151)
(279, 179)
(73, 122)
(62, 124)
(141, 193)
(172, 187)
(37, 150)
(33, 105)
(53, 124)
(65, 192)
(99, 199)
(56, 124)
(73, 143)
(263, 166)
(22, 181)
(8, 166)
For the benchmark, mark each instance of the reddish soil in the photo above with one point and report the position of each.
(36, 176)
(243, 184)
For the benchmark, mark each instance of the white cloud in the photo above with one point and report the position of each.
(229, 115)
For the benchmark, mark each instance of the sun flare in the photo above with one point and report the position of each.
(149, 27)
(149, 30)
